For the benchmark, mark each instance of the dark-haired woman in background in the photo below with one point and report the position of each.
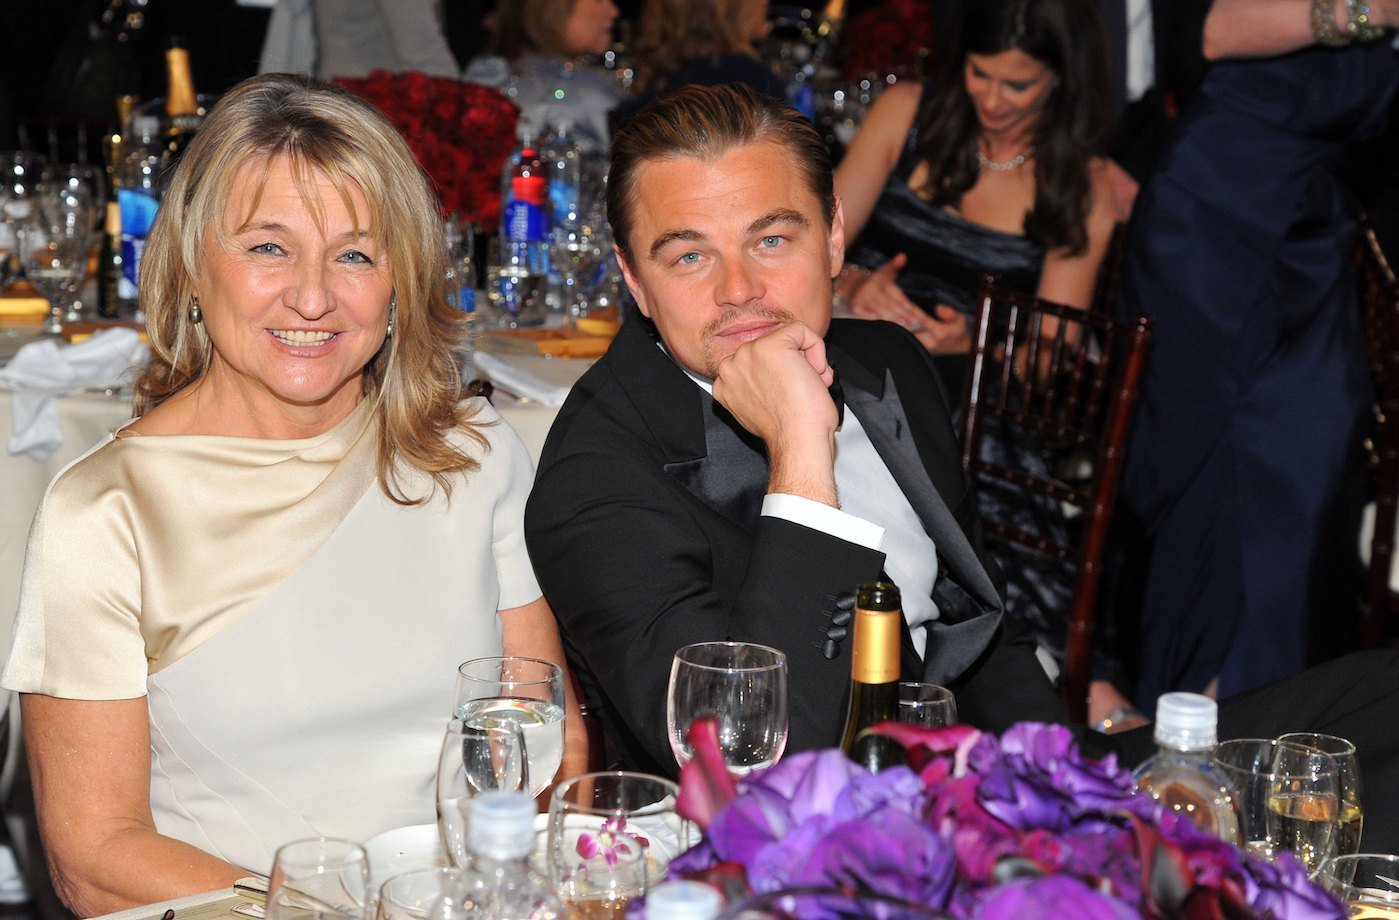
(991, 168)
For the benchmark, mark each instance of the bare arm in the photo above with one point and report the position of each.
(1262, 28)
(532, 631)
(874, 152)
(1071, 279)
(90, 762)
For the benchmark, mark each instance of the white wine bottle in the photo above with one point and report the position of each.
(874, 676)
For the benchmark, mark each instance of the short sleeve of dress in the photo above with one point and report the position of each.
(512, 472)
(77, 633)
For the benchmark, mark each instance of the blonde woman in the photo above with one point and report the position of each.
(241, 613)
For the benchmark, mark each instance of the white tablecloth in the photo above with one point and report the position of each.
(89, 417)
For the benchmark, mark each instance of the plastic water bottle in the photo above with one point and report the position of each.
(563, 161)
(681, 900)
(524, 216)
(1182, 775)
(138, 197)
(498, 883)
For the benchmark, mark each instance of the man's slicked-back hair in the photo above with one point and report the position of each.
(705, 123)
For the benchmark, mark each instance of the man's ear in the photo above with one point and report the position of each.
(632, 284)
(837, 244)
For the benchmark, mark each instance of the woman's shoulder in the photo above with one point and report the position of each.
(487, 438)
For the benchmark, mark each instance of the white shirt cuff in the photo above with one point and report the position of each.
(823, 518)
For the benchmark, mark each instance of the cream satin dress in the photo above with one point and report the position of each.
(294, 630)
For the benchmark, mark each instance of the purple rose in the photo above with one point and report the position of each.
(1050, 897)
(1282, 889)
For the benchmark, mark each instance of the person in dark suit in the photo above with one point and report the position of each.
(701, 482)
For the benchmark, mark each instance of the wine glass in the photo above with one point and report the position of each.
(927, 705)
(320, 878)
(1304, 803)
(515, 284)
(526, 691)
(612, 835)
(19, 179)
(1368, 883)
(417, 895)
(82, 179)
(1247, 765)
(743, 687)
(478, 753)
(54, 238)
(1351, 816)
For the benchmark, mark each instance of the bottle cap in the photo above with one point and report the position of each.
(1186, 721)
(501, 825)
(682, 900)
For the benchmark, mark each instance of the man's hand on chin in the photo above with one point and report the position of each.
(777, 388)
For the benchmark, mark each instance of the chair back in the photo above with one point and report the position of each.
(1059, 385)
(1379, 304)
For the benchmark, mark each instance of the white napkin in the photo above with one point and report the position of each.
(511, 376)
(45, 369)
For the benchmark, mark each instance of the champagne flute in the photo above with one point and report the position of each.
(320, 878)
(1304, 803)
(927, 705)
(612, 835)
(743, 687)
(478, 754)
(1352, 816)
(526, 691)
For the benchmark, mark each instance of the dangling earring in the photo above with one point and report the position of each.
(196, 315)
(393, 311)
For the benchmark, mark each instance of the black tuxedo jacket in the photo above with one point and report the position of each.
(645, 532)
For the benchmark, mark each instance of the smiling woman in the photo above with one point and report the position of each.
(268, 554)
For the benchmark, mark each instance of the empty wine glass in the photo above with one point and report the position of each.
(927, 705)
(418, 895)
(516, 284)
(526, 691)
(611, 836)
(1351, 818)
(742, 686)
(81, 179)
(54, 238)
(19, 179)
(320, 878)
(479, 753)
(1368, 883)
(1304, 803)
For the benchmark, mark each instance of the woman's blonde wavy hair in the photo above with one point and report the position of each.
(321, 129)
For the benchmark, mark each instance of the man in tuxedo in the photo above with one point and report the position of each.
(739, 462)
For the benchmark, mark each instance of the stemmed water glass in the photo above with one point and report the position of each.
(319, 879)
(928, 705)
(479, 754)
(1351, 817)
(743, 687)
(611, 836)
(54, 238)
(19, 179)
(528, 692)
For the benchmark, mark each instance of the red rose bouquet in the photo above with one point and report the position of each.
(460, 132)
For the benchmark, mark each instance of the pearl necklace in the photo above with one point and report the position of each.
(988, 163)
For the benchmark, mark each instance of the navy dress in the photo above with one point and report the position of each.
(1244, 463)
(947, 257)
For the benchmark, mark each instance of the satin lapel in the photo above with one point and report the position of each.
(732, 476)
(886, 423)
(702, 447)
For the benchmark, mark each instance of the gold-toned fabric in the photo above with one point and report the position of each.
(147, 546)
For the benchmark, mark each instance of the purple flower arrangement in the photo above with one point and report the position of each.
(1020, 827)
